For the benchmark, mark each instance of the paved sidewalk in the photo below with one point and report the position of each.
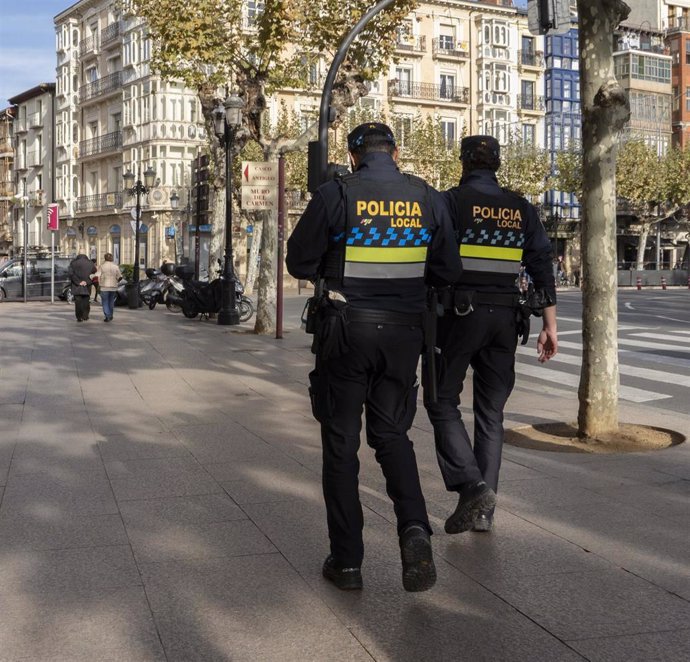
(160, 500)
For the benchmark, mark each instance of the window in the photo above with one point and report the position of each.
(529, 134)
(687, 51)
(687, 98)
(527, 94)
(447, 86)
(448, 129)
(403, 128)
(528, 45)
(446, 38)
(404, 77)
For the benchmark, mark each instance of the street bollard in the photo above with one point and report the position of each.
(639, 282)
(663, 283)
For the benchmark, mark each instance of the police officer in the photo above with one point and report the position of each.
(373, 237)
(496, 230)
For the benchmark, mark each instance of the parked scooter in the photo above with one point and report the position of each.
(203, 298)
(162, 282)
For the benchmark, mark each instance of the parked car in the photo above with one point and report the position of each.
(37, 278)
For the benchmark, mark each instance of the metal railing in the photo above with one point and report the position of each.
(531, 59)
(99, 144)
(429, 91)
(411, 44)
(89, 45)
(530, 102)
(101, 86)
(450, 49)
(99, 202)
(111, 32)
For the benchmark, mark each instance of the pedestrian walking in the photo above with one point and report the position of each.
(497, 232)
(80, 270)
(109, 276)
(368, 240)
(94, 283)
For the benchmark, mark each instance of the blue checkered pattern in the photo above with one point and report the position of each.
(397, 237)
(500, 238)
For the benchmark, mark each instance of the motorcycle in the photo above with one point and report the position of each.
(160, 284)
(200, 297)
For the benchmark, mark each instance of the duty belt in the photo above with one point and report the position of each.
(383, 317)
(461, 301)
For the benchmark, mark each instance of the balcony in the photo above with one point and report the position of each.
(411, 45)
(678, 24)
(6, 189)
(429, 91)
(99, 202)
(89, 45)
(33, 158)
(35, 119)
(20, 162)
(531, 59)
(100, 144)
(37, 198)
(450, 49)
(531, 102)
(110, 33)
(20, 125)
(101, 86)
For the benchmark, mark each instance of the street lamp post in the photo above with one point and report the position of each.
(135, 189)
(25, 198)
(228, 118)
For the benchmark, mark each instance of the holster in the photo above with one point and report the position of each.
(430, 349)
(330, 335)
(522, 318)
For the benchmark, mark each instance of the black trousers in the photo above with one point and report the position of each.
(377, 374)
(485, 339)
(82, 307)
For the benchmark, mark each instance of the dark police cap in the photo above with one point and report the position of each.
(356, 137)
(487, 145)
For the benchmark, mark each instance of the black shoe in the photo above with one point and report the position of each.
(484, 523)
(79, 319)
(346, 579)
(474, 499)
(418, 569)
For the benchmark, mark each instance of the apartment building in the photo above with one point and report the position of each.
(676, 23)
(7, 190)
(114, 116)
(34, 150)
(472, 65)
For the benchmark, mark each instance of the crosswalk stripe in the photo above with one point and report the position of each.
(564, 378)
(685, 349)
(659, 336)
(623, 369)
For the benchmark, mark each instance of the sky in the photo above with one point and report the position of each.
(27, 44)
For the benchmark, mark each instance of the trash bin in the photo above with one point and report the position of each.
(133, 298)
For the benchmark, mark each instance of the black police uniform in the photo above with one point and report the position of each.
(496, 231)
(374, 236)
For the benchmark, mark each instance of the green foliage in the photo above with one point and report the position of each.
(639, 176)
(676, 173)
(127, 271)
(524, 168)
(568, 175)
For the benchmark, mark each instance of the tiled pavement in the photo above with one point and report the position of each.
(160, 486)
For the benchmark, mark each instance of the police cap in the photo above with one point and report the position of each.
(356, 137)
(487, 146)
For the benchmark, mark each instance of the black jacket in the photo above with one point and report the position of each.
(537, 252)
(323, 224)
(80, 269)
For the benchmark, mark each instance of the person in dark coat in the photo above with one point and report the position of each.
(80, 270)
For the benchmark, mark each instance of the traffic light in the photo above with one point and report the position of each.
(549, 17)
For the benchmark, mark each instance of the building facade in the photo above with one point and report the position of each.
(7, 189)
(114, 116)
(34, 153)
(676, 23)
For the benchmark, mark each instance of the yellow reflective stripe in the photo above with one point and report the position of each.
(393, 254)
(491, 252)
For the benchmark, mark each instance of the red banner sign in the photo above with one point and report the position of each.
(53, 217)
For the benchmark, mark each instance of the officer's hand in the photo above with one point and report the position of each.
(547, 345)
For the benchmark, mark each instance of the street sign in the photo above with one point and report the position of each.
(260, 185)
(259, 173)
(53, 217)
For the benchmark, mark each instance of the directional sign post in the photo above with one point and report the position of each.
(53, 226)
(260, 185)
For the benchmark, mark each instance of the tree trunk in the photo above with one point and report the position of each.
(641, 246)
(252, 267)
(266, 300)
(217, 220)
(605, 110)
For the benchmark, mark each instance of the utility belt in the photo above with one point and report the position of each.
(383, 317)
(460, 302)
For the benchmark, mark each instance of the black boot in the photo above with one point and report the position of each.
(418, 569)
(474, 498)
(346, 579)
(484, 522)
